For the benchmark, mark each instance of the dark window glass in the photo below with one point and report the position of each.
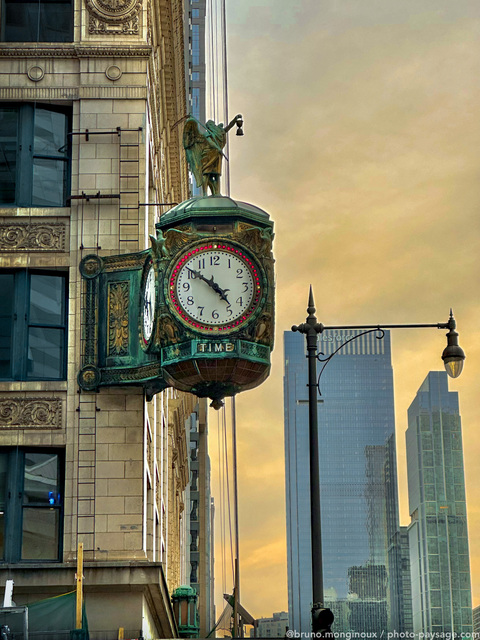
(40, 534)
(48, 189)
(6, 322)
(8, 154)
(31, 518)
(45, 353)
(195, 44)
(33, 326)
(3, 505)
(47, 299)
(41, 481)
(34, 155)
(38, 21)
(196, 102)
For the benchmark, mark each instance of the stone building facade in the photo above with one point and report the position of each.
(90, 94)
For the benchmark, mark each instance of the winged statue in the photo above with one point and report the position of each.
(204, 150)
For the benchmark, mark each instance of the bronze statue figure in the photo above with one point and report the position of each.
(204, 150)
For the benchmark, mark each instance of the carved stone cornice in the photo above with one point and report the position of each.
(9, 50)
(76, 51)
(30, 413)
(38, 93)
(105, 51)
(75, 93)
(32, 236)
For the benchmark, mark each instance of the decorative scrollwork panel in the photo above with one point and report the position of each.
(32, 236)
(30, 413)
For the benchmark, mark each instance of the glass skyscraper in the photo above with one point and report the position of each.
(438, 537)
(358, 480)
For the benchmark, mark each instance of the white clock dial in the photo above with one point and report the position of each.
(149, 304)
(215, 287)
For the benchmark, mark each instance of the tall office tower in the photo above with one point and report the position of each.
(195, 78)
(274, 627)
(201, 576)
(358, 489)
(195, 57)
(401, 591)
(438, 536)
(90, 93)
(476, 621)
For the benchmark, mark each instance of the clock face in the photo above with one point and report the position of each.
(149, 304)
(215, 287)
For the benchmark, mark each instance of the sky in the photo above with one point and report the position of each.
(362, 141)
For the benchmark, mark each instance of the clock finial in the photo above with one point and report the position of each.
(204, 150)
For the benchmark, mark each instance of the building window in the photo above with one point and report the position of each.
(195, 44)
(195, 13)
(34, 155)
(193, 540)
(31, 504)
(193, 510)
(33, 325)
(193, 481)
(196, 102)
(193, 572)
(37, 20)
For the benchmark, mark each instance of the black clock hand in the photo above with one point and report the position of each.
(211, 283)
(148, 308)
(221, 292)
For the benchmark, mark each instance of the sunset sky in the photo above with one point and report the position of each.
(362, 141)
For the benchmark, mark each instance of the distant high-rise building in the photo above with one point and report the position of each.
(195, 57)
(200, 522)
(476, 621)
(195, 65)
(438, 537)
(401, 591)
(358, 486)
(274, 627)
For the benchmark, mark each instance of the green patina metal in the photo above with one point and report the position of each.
(203, 144)
(210, 349)
(121, 345)
(111, 349)
(184, 600)
(211, 209)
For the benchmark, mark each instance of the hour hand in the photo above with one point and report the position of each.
(211, 283)
(221, 292)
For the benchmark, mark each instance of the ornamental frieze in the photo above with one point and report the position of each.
(124, 262)
(32, 236)
(113, 16)
(30, 413)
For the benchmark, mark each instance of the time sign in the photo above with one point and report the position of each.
(215, 287)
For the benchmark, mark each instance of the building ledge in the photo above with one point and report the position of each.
(49, 579)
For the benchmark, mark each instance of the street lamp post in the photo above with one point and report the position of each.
(453, 358)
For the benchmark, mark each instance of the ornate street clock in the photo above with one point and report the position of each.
(196, 311)
(216, 296)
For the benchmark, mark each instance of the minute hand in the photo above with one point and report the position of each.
(211, 283)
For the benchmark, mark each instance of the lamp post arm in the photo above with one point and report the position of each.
(379, 327)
